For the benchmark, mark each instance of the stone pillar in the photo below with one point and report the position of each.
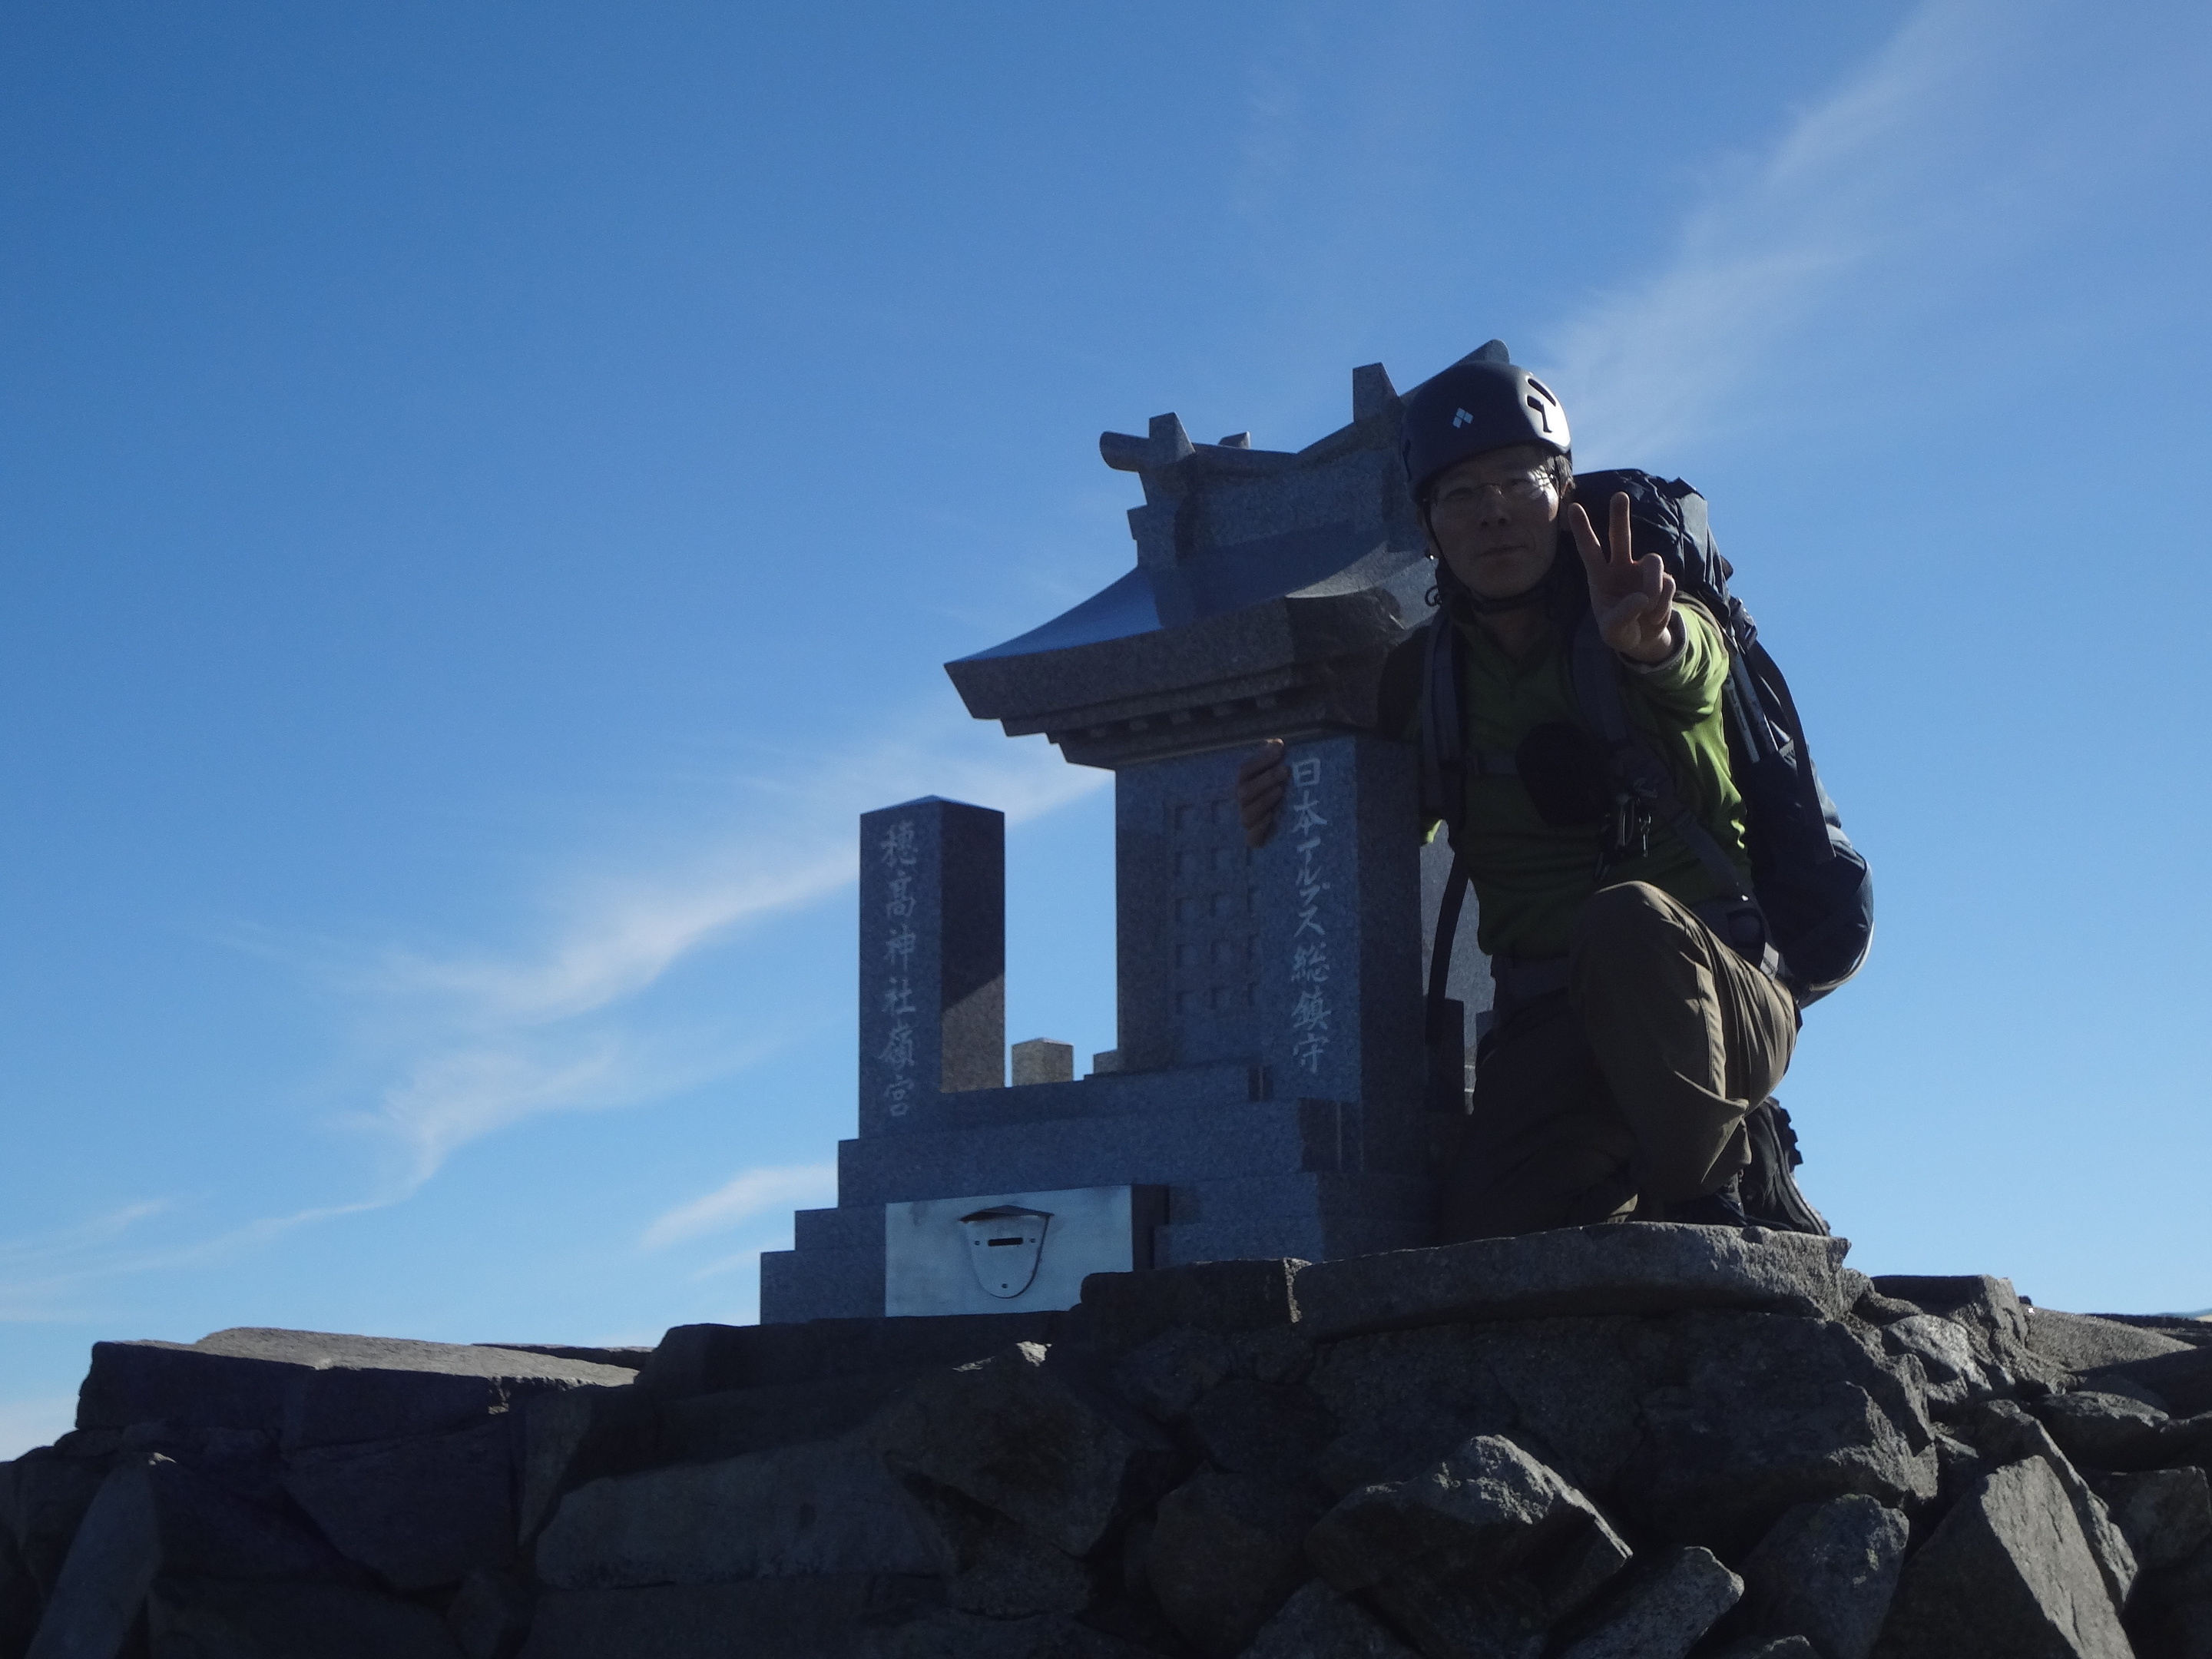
(933, 958)
(1337, 894)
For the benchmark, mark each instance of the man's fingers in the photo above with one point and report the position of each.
(1586, 541)
(1258, 800)
(1624, 611)
(1262, 783)
(1270, 755)
(1616, 531)
(1260, 809)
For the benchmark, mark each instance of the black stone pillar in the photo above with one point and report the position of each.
(933, 958)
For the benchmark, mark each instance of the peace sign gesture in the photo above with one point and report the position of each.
(1632, 599)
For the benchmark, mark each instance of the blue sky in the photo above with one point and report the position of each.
(486, 490)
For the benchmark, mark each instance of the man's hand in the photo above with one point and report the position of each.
(1260, 783)
(1632, 599)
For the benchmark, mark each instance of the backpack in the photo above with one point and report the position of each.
(1812, 898)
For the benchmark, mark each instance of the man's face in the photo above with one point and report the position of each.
(1494, 519)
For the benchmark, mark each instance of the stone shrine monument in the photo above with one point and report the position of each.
(1651, 1441)
(1264, 1097)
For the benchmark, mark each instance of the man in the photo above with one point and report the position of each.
(1631, 1039)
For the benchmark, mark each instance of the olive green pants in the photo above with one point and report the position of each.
(1633, 1085)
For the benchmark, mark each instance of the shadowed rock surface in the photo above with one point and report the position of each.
(1664, 1441)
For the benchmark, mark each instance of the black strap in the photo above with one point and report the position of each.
(1636, 764)
(1639, 770)
(1440, 722)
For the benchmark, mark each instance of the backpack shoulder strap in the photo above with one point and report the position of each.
(1441, 694)
(1638, 771)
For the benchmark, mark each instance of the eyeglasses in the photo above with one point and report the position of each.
(1464, 495)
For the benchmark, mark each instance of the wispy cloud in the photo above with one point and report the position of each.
(1875, 195)
(746, 1195)
(448, 1046)
(46, 1280)
(473, 1042)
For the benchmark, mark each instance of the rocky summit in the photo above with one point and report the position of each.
(1630, 1442)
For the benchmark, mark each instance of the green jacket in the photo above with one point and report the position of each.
(1530, 879)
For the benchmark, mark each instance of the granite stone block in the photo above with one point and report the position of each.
(1114, 1094)
(1664, 1612)
(1041, 1060)
(1317, 1622)
(703, 1428)
(1033, 1442)
(48, 1491)
(2118, 1431)
(932, 956)
(798, 1285)
(1321, 1216)
(1226, 1553)
(2003, 1433)
(2083, 1342)
(696, 1359)
(2166, 1515)
(1264, 1138)
(1746, 1415)
(1268, 1430)
(1981, 1298)
(1005, 1574)
(1828, 1571)
(2006, 1575)
(1332, 1196)
(1475, 1558)
(152, 1515)
(1629, 1268)
(796, 1511)
(2182, 1380)
(858, 1228)
(420, 1511)
(315, 1389)
(554, 1428)
(1121, 1312)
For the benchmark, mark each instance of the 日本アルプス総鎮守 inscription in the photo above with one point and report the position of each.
(1310, 939)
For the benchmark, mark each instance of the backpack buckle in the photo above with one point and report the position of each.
(1627, 833)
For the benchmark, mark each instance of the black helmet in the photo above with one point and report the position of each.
(1484, 401)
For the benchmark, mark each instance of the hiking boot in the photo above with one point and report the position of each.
(1770, 1191)
(1721, 1207)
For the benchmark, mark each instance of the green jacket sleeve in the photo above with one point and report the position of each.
(1685, 691)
